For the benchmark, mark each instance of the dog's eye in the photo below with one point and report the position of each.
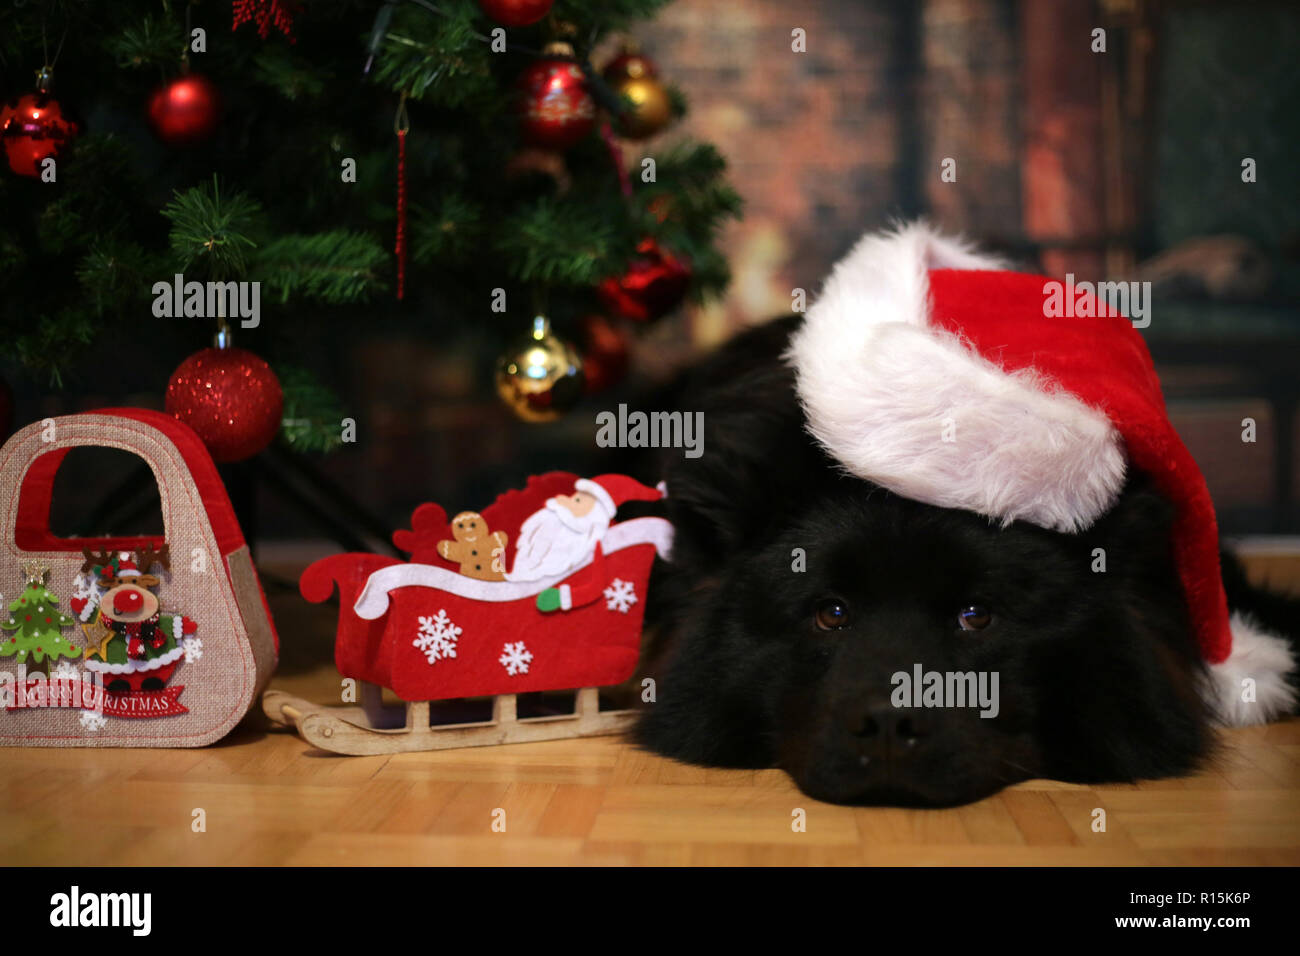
(832, 615)
(974, 618)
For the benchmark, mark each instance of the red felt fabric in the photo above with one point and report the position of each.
(589, 646)
(1105, 363)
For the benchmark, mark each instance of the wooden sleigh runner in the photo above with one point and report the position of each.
(351, 730)
(428, 632)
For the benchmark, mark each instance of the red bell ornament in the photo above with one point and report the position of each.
(185, 110)
(653, 285)
(33, 128)
(555, 109)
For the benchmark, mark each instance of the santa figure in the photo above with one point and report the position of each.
(565, 536)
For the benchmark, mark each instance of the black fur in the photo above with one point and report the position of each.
(1098, 672)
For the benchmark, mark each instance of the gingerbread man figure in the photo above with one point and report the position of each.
(479, 552)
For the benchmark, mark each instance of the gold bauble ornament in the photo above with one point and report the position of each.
(635, 78)
(540, 377)
(649, 108)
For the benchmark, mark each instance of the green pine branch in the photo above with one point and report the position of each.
(212, 233)
(290, 75)
(562, 241)
(312, 417)
(439, 59)
(448, 232)
(149, 43)
(333, 267)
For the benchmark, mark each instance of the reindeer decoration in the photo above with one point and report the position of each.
(130, 640)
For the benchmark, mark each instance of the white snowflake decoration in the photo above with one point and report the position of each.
(66, 670)
(87, 586)
(93, 721)
(620, 595)
(437, 637)
(193, 649)
(515, 658)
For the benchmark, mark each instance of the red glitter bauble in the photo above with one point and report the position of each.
(231, 398)
(516, 13)
(555, 107)
(33, 127)
(185, 110)
(653, 285)
(604, 347)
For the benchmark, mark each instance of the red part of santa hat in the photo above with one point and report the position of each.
(927, 370)
(613, 490)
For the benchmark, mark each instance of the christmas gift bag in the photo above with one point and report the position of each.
(141, 641)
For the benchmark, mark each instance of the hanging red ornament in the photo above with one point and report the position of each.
(231, 398)
(555, 108)
(33, 128)
(516, 13)
(653, 285)
(266, 13)
(185, 110)
(605, 356)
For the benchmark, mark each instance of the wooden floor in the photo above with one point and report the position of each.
(269, 798)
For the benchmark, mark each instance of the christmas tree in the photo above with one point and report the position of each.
(36, 624)
(465, 155)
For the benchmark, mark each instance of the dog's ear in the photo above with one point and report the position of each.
(758, 464)
(1137, 535)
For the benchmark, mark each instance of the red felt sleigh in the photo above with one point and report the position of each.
(426, 632)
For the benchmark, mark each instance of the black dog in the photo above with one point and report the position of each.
(797, 594)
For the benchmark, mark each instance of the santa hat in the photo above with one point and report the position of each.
(927, 369)
(613, 490)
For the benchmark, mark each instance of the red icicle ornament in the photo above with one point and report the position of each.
(402, 126)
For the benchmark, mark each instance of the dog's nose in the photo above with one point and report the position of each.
(887, 731)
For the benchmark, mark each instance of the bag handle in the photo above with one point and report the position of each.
(186, 476)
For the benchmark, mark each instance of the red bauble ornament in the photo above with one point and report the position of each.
(653, 285)
(32, 128)
(231, 398)
(516, 13)
(554, 104)
(605, 357)
(185, 110)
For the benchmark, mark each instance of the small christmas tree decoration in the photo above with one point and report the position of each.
(555, 107)
(231, 397)
(33, 128)
(516, 13)
(186, 110)
(540, 378)
(647, 107)
(605, 356)
(36, 623)
(653, 285)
